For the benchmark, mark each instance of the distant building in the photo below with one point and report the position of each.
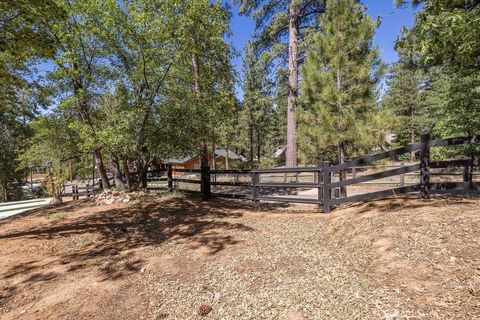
(280, 154)
(193, 162)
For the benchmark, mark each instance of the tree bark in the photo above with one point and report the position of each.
(250, 122)
(198, 93)
(342, 174)
(196, 76)
(101, 169)
(227, 161)
(70, 167)
(117, 174)
(412, 134)
(126, 171)
(142, 174)
(291, 154)
(259, 146)
(4, 191)
(214, 163)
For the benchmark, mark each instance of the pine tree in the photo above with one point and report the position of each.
(446, 33)
(257, 105)
(340, 77)
(405, 97)
(276, 21)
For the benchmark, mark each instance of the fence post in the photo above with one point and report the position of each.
(468, 176)
(402, 176)
(170, 177)
(319, 181)
(425, 166)
(205, 183)
(254, 184)
(326, 180)
(209, 186)
(75, 192)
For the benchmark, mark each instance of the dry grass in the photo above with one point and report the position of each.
(180, 258)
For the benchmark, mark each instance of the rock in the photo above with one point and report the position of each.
(204, 309)
(55, 200)
(217, 297)
(110, 197)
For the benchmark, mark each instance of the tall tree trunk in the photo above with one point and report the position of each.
(214, 163)
(70, 169)
(203, 154)
(4, 190)
(126, 171)
(142, 173)
(196, 76)
(412, 134)
(198, 93)
(343, 176)
(259, 146)
(101, 169)
(227, 161)
(251, 137)
(291, 154)
(117, 174)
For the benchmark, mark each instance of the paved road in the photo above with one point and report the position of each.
(8, 209)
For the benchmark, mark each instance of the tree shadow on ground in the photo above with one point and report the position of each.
(405, 202)
(106, 239)
(263, 191)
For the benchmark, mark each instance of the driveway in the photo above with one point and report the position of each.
(8, 209)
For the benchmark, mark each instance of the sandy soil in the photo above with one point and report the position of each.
(181, 258)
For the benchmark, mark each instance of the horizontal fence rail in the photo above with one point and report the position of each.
(423, 168)
(252, 184)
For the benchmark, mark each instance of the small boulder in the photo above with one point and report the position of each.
(204, 309)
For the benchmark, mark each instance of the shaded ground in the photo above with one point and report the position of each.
(164, 258)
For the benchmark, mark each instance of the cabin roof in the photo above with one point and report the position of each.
(223, 153)
(218, 153)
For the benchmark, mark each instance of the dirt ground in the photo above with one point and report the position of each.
(178, 257)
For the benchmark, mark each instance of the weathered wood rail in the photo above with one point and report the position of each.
(425, 187)
(327, 195)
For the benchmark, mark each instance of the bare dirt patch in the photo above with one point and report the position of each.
(181, 258)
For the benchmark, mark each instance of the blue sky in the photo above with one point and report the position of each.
(393, 19)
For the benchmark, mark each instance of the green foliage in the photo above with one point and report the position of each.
(54, 181)
(123, 80)
(441, 86)
(272, 19)
(53, 140)
(23, 40)
(339, 79)
(456, 97)
(446, 33)
(406, 96)
(57, 215)
(257, 111)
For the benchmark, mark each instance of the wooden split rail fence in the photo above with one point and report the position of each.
(328, 190)
(327, 195)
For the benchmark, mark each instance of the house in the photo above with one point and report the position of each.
(193, 162)
(221, 157)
